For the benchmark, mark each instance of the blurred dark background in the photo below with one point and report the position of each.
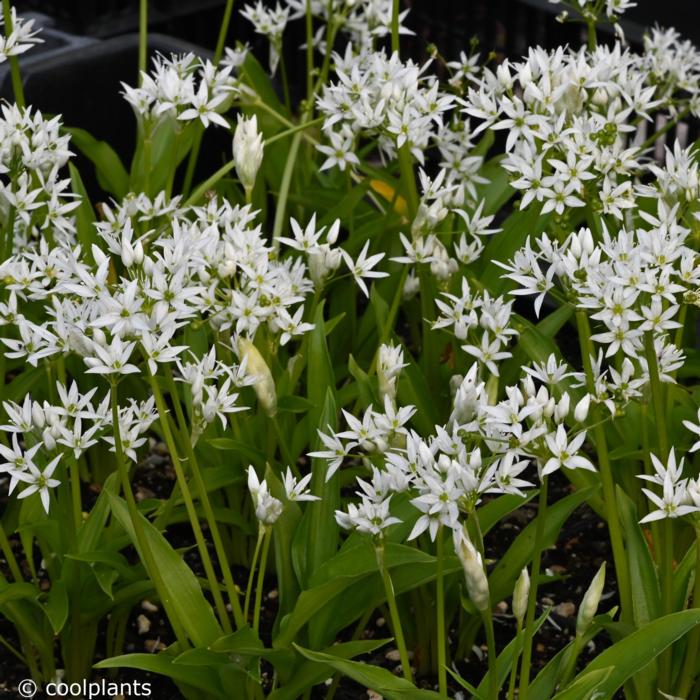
(503, 26)
(90, 47)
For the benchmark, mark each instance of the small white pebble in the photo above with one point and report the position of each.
(148, 606)
(143, 624)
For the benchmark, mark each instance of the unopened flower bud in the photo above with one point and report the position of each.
(581, 410)
(48, 440)
(521, 593)
(127, 254)
(138, 253)
(561, 410)
(257, 367)
(589, 604)
(549, 408)
(247, 151)
(474, 574)
(38, 417)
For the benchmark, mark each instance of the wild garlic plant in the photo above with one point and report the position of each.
(310, 390)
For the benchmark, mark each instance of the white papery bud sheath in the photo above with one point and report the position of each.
(247, 150)
(474, 574)
(581, 410)
(589, 604)
(521, 593)
(257, 367)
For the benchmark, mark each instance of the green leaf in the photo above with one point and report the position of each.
(111, 173)
(56, 606)
(586, 686)
(293, 404)
(633, 653)
(84, 214)
(164, 665)
(646, 597)
(378, 679)
(184, 599)
(249, 452)
(515, 230)
(17, 591)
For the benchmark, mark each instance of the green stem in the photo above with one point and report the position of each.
(206, 503)
(571, 661)
(487, 617)
(251, 573)
(75, 493)
(605, 469)
(691, 665)
(261, 578)
(143, 37)
(395, 27)
(440, 612)
(223, 32)
(17, 87)
(280, 212)
(666, 543)
(514, 665)
(532, 595)
(657, 398)
(10, 556)
(309, 26)
(664, 129)
(189, 505)
(139, 532)
(393, 612)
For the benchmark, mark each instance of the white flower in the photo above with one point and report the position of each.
(39, 482)
(564, 452)
(297, 490)
(362, 267)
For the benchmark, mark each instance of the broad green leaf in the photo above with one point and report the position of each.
(111, 173)
(633, 653)
(183, 595)
(546, 680)
(646, 597)
(17, 591)
(378, 679)
(586, 686)
(164, 665)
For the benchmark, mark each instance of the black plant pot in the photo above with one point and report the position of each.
(83, 84)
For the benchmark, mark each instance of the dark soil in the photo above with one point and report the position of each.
(581, 548)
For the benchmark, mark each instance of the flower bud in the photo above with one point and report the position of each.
(589, 604)
(38, 416)
(521, 593)
(561, 410)
(474, 574)
(257, 367)
(247, 151)
(127, 254)
(138, 253)
(581, 410)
